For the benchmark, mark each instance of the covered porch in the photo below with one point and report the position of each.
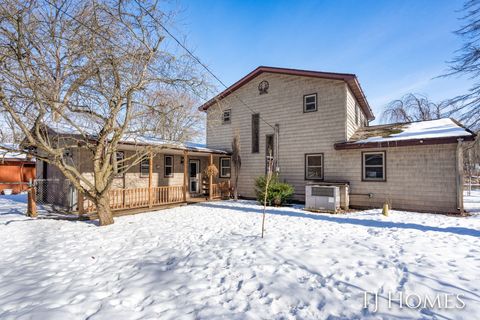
(167, 177)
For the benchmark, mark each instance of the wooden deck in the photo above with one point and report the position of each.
(137, 200)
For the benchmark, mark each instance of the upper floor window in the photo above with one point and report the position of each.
(168, 166)
(310, 102)
(255, 133)
(225, 167)
(226, 117)
(373, 164)
(145, 167)
(357, 115)
(314, 166)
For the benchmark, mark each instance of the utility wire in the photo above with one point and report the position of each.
(174, 38)
(199, 61)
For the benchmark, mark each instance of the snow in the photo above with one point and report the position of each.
(207, 261)
(441, 128)
(472, 201)
(6, 154)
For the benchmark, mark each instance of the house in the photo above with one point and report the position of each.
(172, 174)
(16, 171)
(317, 126)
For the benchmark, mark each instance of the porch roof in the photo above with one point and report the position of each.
(137, 140)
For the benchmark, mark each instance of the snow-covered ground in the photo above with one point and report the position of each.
(207, 261)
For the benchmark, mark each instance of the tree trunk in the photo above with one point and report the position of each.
(103, 210)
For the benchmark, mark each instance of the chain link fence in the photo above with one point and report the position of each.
(55, 195)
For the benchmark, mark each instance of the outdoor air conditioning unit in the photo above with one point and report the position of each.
(322, 197)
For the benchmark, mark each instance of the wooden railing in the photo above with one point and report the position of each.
(121, 199)
(220, 189)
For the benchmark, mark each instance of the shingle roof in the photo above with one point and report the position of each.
(414, 133)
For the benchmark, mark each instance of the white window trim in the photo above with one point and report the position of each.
(383, 166)
(167, 166)
(305, 102)
(229, 116)
(308, 155)
(225, 167)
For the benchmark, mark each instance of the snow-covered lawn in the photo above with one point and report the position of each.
(207, 261)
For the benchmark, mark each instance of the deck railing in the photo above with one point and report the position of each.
(220, 189)
(121, 199)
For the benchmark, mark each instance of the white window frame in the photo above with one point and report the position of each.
(167, 166)
(383, 166)
(305, 102)
(229, 112)
(308, 155)
(144, 162)
(222, 166)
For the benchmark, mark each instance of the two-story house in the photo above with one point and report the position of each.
(316, 124)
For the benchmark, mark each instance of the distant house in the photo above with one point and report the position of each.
(16, 171)
(323, 137)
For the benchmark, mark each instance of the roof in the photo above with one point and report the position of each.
(137, 140)
(6, 153)
(350, 79)
(439, 131)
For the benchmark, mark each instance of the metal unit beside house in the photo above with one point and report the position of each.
(317, 125)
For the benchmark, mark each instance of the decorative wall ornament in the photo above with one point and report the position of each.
(263, 87)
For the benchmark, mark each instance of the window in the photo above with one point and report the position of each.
(226, 116)
(373, 166)
(168, 166)
(357, 116)
(225, 168)
(310, 102)
(144, 167)
(255, 133)
(314, 166)
(120, 156)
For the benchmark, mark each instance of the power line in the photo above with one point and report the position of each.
(198, 60)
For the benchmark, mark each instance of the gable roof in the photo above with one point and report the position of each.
(350, 79)
(438, 131)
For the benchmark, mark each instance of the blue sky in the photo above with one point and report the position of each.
(394, 47)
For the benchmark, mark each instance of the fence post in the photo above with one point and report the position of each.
(31, 203)
(150, 174)
(80, 202)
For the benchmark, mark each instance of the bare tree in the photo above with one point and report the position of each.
(236, 161)
(412, 107)
(466, 107)
(268, 179)
(92, 67)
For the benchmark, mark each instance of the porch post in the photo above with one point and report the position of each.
(150, 174)
(210, 180)
(185, 175)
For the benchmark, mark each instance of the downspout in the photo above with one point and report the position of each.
(459, 174)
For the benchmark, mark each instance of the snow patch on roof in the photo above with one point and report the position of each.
(441, 128)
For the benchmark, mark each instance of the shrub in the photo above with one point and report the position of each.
(278, 192)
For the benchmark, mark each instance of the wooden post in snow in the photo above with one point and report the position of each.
(185, 175)
(80, 202)
(210, 180)
(459, 174)
(150, 174)
(32, 201)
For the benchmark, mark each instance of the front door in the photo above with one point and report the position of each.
(194, 176)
